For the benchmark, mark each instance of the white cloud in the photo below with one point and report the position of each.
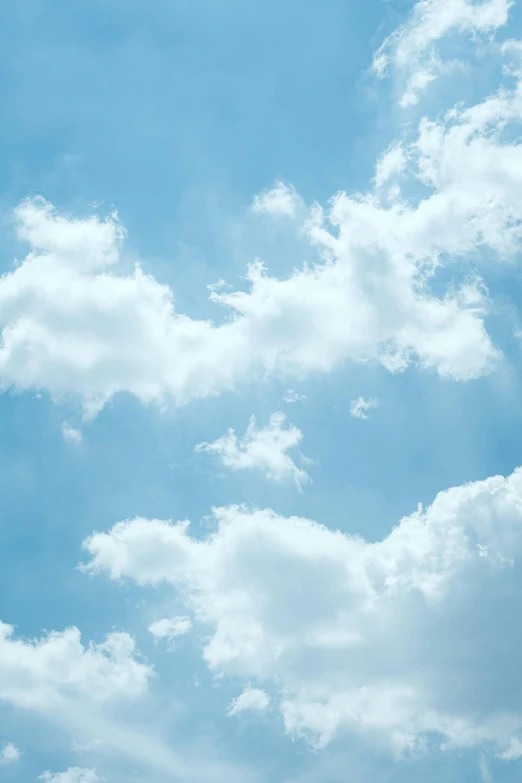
(416, 83)
(513, 751)
(397, 641)
(485, 774)
(410, 49)
(251, 700)
(290, 396)
(99, 694)
(281, 200)
(73, 324)
(359, 408)
(218, 286)
(512, 48)
(170, 627)
(70, 434)
(391, 163)
(9, 754)
(71, 775)
(75, 687)
(490, 204)
(45, 674)
(263, 449)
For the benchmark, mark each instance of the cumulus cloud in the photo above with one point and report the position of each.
(71, 775)
(44, 674)
(170, 627)
(359, 408)
(410, 50)
(405, 641)
(73, 323)
(97, 693)
(81, 688)
(250, 700)
(9, 754)
(263, 449)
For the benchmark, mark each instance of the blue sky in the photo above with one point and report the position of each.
(340, 426)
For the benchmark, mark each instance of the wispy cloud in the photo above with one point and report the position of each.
(264, 449)
(250, 700)
(71, 435)
(360, 407)
(71, 775)
(9, 754)
(290, 396)
(410, 50)
(170, 627)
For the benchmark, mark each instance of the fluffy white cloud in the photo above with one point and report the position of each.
(281, 200)
(9, 754)
(49, 673)
(71, 775)
(99, 694)
(404, 641)
(250, 700)
(263, 449)
(410, 49)
(73, 323)
(170, 627)
(359, 408)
